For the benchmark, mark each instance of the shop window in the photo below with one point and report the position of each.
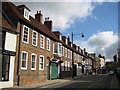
(5, 67)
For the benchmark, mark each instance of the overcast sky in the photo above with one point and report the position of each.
(97, 20)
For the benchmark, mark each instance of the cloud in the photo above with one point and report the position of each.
(105, 43)
(63, 14)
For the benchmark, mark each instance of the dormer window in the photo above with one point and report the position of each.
(66, 41)
(26, 13)
(60, 37)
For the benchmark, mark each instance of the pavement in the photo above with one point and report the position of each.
(46, 84)
(56, 83)
(115, 82)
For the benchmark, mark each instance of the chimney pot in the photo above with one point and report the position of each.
(47, 19)
(40, 12)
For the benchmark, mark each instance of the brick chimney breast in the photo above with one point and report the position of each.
(39, 16)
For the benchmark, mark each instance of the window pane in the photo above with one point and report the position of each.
(5, 67)
(33, 58)
(25, 36)
(41, 59)
(41, 66)
(41, 63)
(33, 61)
(33, 64)
(55, 48)
(34, 38)
(23, 63)
(24, 56)
(42, 42)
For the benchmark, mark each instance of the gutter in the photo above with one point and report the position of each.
(18, 64)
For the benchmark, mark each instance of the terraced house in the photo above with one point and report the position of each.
(39, 53)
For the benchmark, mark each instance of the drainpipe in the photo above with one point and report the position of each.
(18, 64)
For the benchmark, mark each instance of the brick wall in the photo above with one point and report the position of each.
(31, 76)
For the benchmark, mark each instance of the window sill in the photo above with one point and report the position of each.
(33, 69)
(41, 48)
(34, 45)
(48, 50)
(24, 69)
(25, 42)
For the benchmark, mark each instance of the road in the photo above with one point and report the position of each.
(86, 83)
(97, 81)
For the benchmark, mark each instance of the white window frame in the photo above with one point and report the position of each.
(43, 42)
(54, 47)
(63, 66)
(39, 62)
(68, 66)
(32, 61)
(66, 52)
(24, 68)
(25, 10)
(70, 54)
(23, 34)
(60, 37)
(66, 41)
(62, 50)
(36, 37)
(59, 49)
(71, 45)
(48, 40)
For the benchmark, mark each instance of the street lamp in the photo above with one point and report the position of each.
(73, 54)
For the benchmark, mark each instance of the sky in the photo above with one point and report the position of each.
(97, 20)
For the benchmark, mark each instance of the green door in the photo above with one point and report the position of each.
(54, 71)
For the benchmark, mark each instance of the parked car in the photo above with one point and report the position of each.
(118, 73)
(111, 73)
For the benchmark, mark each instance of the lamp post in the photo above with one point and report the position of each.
(73, 53)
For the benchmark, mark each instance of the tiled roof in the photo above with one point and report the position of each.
(6, 25)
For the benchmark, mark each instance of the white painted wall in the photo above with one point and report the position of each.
(10, 44)
(10, 41)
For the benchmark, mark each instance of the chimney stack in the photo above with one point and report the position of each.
(64, 39)
(39, 16)
(84, 50)
(68, 38)
(48, 23)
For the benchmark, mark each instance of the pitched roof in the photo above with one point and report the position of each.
(6, 25)
(14, 15)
